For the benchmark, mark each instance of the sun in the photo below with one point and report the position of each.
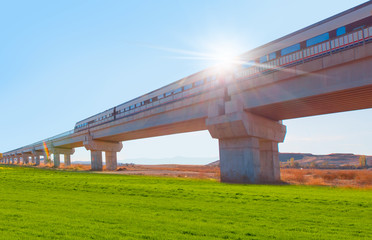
(226, 60)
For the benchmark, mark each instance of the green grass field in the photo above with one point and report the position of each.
(48, 204)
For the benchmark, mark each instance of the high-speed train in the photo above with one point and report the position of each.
(337, 33)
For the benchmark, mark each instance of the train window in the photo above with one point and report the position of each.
(263, 59)
(127, 109)
(178, 90)
(358, 28)
(154, 99)
(248, 64)
(160, 96)
(132, 107)
(290, 49)
(138, 104)
(340, 31)
(187, 87)
(272, 56)
(198, 83)
(214, 77)
(147, 101)
(168, 94)
(318, 39)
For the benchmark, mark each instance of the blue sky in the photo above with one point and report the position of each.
(63, 61)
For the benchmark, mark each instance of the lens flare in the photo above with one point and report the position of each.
(46, 150)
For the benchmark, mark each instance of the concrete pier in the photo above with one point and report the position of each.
(56, 160)
(96, 160)
(111, 161)
(67, 159)
(46, 158)
(25, 158)
(248, 147)
(96, 147)
(65, 151)
(37, 160)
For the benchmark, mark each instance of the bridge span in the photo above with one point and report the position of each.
(324, 68)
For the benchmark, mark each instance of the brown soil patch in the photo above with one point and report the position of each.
(323, 177)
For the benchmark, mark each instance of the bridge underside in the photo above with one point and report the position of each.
(340, 101)
(336, 83)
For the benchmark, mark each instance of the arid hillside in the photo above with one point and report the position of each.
(334, 159)
(338, 160)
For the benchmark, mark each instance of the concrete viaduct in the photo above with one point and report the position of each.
(245, 116)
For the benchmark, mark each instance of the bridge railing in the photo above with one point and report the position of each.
(45, 140)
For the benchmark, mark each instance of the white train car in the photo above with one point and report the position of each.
(103, 117)
(189, 86)
(342, 31)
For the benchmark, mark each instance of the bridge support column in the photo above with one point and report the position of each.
(56, 160)
(96, 147)
(37, 160)
(67, 160)
(248, 147)
(64, 151)
(96, 160)
(46, 158)
(25, 158)
(111, 161)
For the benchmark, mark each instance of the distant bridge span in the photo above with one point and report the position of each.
(324, 68)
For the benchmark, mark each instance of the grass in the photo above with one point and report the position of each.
(55, 204)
